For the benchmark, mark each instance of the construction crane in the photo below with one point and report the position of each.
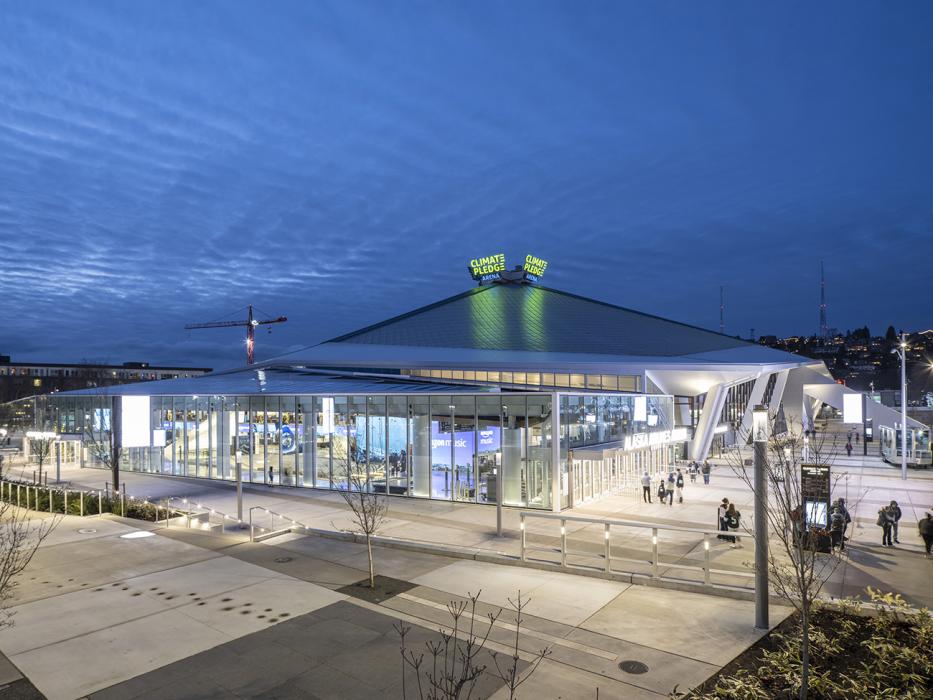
(250, 324)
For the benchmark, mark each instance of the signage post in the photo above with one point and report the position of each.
(815, 487)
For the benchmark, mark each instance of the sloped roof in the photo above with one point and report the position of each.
(520, 317)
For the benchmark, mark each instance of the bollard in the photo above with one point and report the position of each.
(608, 550)
(18, 502)
(654, 552)
(122, 503)
(522, 527)
(100, 505)
(65, 511)
(51, 500)
(706, 568)
(563, 542)
(81, 502)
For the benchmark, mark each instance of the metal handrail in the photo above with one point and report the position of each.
(606, 556)
(204, 508)
(271, 531)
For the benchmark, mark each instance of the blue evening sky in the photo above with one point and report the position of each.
(339, 162)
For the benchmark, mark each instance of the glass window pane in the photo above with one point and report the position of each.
(397, 451)
(561, 380)
(518, 377)
(610, 382)
(577, 381)
(340, 442)
(289, 443)
(592, 381)
(538, 465)
(441, 471)
(533, 378)
(514, 486)
(376, 441)
(419, 427)
(547, 379)
(488, 430)
(356, 432)
(325, 427)
(464, 487)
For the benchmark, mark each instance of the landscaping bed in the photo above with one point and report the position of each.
(94, 503)
(884, 649)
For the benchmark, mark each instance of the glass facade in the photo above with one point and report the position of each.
(460, 447)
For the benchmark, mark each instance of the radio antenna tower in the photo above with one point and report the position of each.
(722, 307)
(824, 327)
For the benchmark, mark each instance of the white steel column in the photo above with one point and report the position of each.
(555, 453)
(709, 418)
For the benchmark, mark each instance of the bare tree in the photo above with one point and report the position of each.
(368, 508)
(454, 665)
(801, 564)
(100, 438)
(40, 447)
(20, 537)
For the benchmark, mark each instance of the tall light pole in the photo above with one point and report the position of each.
(902, 351)
(760, 439)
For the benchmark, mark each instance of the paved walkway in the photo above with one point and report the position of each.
(186, 614)
(903, 568)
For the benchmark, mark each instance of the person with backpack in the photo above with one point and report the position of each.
(669, 489)
(706, 470)
(733, 520)
(837, 524)
(886, 522)
(926, 532)
(841, 505)
(646, 488)
(896, 513)
(679, 484)
(661, 490)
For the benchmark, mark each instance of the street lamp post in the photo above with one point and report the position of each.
(902, 350)
(760, 439)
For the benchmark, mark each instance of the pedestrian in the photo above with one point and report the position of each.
(837, 525)
(646, 488)
(661, 490)
(926, 532)
(669, 488)
(693, 472)
(706, 470)
(679, 484)
(886, 521)
(270, 476)
(896, 512)
(733, 519)
(841, 504)
(856, 437)
(721, 516)
(848, 449)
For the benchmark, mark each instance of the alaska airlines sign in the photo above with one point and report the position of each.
(492, 267)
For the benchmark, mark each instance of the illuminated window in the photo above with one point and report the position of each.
(518, 378)
(446, 374)
(561, 380)
(457, 374)
(592, 381)
(492, 377)
(36, 382)
(505, 377)
(610, 382)
(576, 381)
(547, 379)
(481, 377)
(533, 378)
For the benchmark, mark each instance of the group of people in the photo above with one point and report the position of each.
(888, 519)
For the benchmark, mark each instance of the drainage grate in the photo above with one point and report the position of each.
(86, 531)
(282, 560)
(633, 666)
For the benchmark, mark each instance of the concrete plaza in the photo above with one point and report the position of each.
(186, 614)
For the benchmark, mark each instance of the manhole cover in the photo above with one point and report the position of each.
(282, 560)
(633, 667)
(86, 531)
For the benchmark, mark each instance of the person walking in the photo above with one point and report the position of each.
(849, 448)
(679, 485)
(841, 505)
(721, 516)
(837, 524)
(896, 513)
(926, 532)
(661, 490)
(706, 470)
(886, 521)
(693, 469)
(646, 488)
(733, 520)
(669, 488)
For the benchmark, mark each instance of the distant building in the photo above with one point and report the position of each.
(21, 379)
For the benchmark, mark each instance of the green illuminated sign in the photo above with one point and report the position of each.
(534, 266)
(487, 267)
